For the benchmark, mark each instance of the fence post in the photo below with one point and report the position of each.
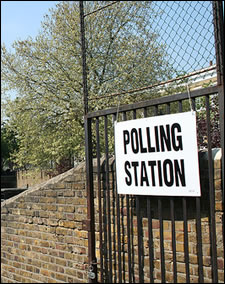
(83, 50)
(89, 224)
(218, 17)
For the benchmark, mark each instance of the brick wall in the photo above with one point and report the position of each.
(30, 178)
(167, 231)
(43, 240)
(192, 235)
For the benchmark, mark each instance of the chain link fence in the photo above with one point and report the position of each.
(145, 59)
(147, 48)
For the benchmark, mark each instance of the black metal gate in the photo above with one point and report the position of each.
(136, 239)
(123, 241)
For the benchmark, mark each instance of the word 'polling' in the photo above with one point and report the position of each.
(164, 138)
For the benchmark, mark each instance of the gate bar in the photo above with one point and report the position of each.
(211, 198)
(128, 224)
(150, 241)
(108, 198)
(114, 193)
(199, 240)
(99, 197)
(118, 222)
(162, 255)
(186, 250)
(172, 215)
(90, 202)
(157, 101)
(198, 227)
(140, 241)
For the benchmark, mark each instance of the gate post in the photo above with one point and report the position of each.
(89, 224)
(218, 19)
(84, 65)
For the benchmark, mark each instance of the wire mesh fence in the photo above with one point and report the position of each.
(143, 49)
(145, 59)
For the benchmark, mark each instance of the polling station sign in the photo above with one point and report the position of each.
(158, 156)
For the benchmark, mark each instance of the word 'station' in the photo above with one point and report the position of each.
(158, 156)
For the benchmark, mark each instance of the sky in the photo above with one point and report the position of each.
(20, 19)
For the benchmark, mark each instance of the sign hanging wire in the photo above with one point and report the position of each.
(118, 106)
(189, 97)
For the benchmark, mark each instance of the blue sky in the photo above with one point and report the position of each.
(20, 19)
(189, 48)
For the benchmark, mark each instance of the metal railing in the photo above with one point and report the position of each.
(188, 36)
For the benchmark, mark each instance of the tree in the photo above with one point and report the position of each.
(214, 123)
(122, 53)
(9, 146)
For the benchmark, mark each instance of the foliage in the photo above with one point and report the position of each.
(46, 72)
(9, 146)
(214, 123)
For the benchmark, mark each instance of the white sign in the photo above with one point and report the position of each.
(158, 156)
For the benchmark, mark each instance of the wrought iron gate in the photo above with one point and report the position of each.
(126, 230)
(134, 239)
